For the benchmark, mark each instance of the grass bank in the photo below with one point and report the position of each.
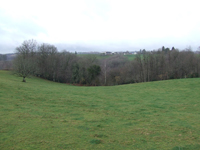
(41, 114)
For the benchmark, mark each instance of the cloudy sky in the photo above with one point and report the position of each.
(99, 25)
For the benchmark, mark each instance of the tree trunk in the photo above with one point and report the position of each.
(24, 79)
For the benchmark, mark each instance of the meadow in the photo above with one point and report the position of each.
(99, 56)
(40, 114)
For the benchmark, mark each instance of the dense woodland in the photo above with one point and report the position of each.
(46, 62)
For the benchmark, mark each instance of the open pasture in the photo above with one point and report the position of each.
(41, 114)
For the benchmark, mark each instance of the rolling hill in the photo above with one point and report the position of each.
(40, 114)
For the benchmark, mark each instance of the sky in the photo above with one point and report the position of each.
(100, 25)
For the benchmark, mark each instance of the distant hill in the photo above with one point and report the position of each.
(10, 56)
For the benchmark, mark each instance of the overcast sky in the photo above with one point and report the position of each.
(95, 25)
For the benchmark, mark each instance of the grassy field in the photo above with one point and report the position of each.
(99, 56)
(130, 57)
(40, 114)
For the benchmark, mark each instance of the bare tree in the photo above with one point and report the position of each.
(25, 61)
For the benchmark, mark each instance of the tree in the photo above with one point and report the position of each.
(140, 67)
(3, 57)
(67, 61)
(47, 61)
(93, 72)
(76, 74)
(24, 63)
(3, 62)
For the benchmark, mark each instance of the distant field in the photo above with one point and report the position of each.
(130, 57)
(40, 114)
(99, 56)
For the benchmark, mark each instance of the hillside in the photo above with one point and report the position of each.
(41, 114)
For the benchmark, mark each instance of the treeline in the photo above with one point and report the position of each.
(3, 57)
(46, 62)
(4, 63)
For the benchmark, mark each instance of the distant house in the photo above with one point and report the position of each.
(133, 52)
(126, 53)
(108, 53)
(118, 53)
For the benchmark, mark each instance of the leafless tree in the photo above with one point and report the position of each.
(25, 61)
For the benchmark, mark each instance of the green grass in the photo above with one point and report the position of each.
(99, 56)
(130, 57)
(41, 114)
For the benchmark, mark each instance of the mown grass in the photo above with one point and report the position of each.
(41, 114)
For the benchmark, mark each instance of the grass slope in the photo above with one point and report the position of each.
(41, 114)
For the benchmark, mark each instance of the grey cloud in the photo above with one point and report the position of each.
(99, 7)
(14, 31)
